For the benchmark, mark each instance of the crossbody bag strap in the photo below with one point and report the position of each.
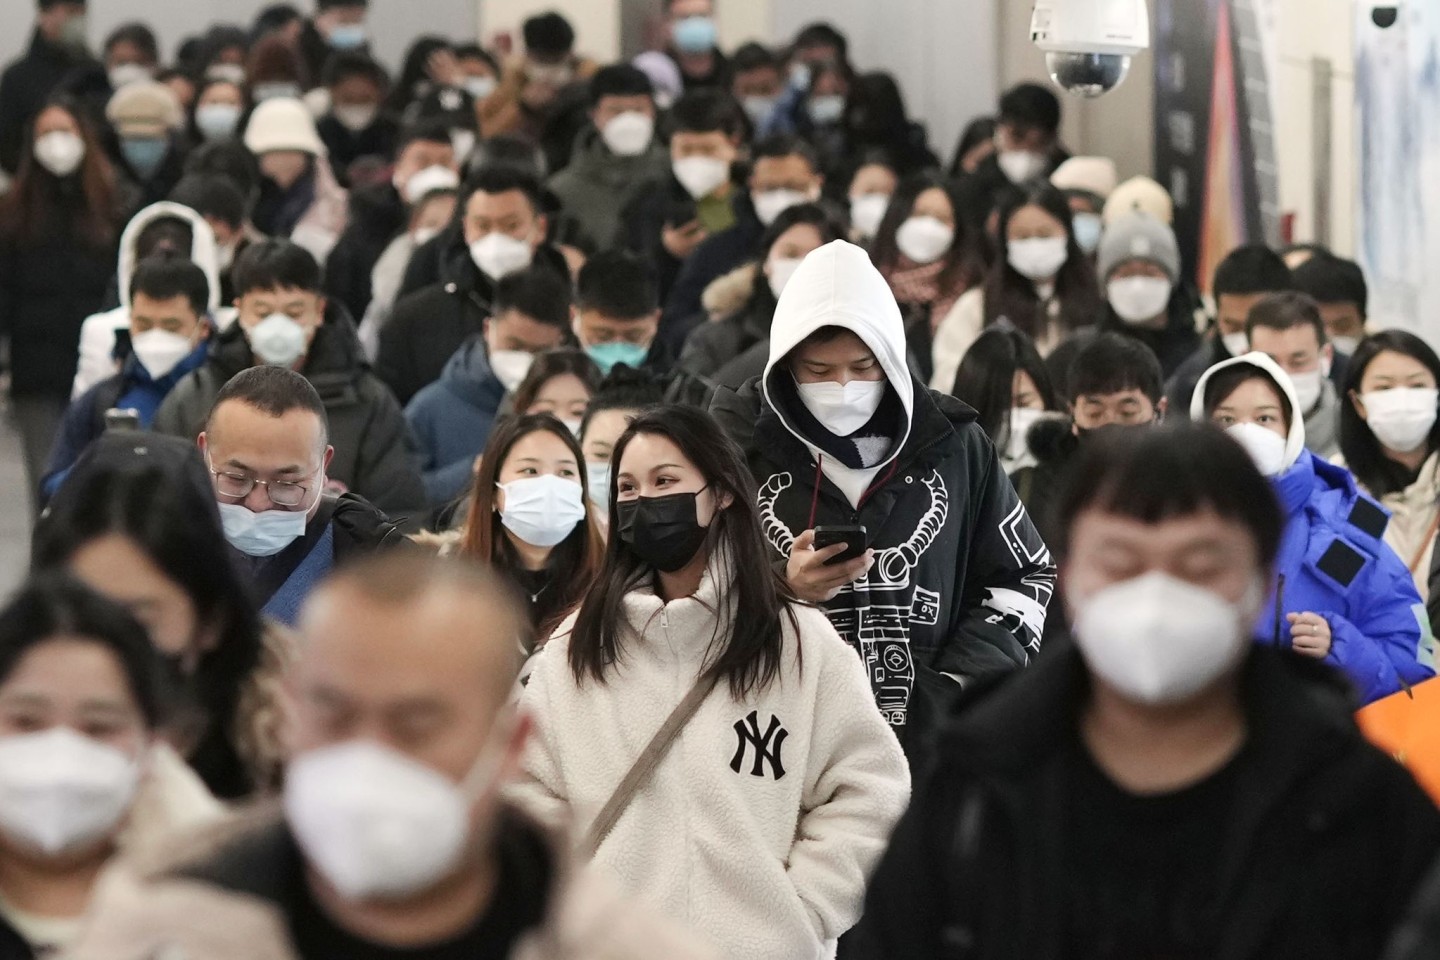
(646, 763)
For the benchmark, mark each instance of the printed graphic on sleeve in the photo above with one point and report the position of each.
(1022, 612)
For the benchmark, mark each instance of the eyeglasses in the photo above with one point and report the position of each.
(282, 493)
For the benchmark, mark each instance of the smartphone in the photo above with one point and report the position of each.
(853, 537)
(682, 213)
(122, 419)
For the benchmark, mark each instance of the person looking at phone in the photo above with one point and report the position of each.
(952, 585)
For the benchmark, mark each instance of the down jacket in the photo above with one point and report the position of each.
(761, 825)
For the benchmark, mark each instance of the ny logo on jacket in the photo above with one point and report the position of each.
(767, 746)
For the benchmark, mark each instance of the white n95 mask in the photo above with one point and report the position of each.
(542, 511)
(498, 255)
(1159, 640)
(701, 176)
(924, 239)
(60, 790)
(278, 340)
(866, 212)
(1402, 418)
(1038, 258)
(376, 823)
(629, 134)
(770, 204)
(1021, 166)
(781, 270)
(1138, 299)
(510, 367)
(842, 408)
(160, 351)
(1266, 447)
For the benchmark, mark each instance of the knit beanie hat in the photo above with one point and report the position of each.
(1138, 236)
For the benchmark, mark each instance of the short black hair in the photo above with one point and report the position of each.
(502, 178)
(473, 51)
(274, 391)
(423, 131)
(784, 145)
(165, 234)
(548, 33)
(1174, 470)
(708, 110)
(619, 80)
(276, 16)
(1030, 105)
(822, 34)
(161, 278)
(1332, 279)
(333, 4)
(753, 56)
(1251, 269)
(618, 284)
(344, 64)
(539, 292)
(276, 265)
(54, 605)
(1286, 310)
(137, 34)
(211, 195)
(1112, 363)
(625, 388)
(227, 158)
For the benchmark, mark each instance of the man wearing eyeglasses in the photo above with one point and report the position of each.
(267, 447)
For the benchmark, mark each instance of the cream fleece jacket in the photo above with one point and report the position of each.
(761, 826)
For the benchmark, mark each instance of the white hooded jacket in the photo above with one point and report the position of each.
(838, 286)
(761, 826)
(1295, 441)
(97, 335)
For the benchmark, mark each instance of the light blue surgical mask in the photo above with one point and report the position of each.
(599, 480)
(261, 534)
(217, 121)
(1088, 227)
(144, 155)
(348, 36)
(607, 356)
(695, 35)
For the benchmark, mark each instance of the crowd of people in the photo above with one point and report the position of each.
(666, 509)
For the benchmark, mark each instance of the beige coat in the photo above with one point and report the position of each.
(155, 910)
(963, 325)
(1411, 532)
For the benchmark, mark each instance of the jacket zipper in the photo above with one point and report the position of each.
(1279, 608)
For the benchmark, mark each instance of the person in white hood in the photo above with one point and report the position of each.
(952, 584)
(763, 816)
(159, 227)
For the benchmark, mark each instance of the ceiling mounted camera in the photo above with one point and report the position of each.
(1090, 44)
(1385, 16)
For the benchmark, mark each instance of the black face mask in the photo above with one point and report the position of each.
(663, 531)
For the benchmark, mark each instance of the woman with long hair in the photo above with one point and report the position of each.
(137, 521)
(768, 807)
(1389, 438)
(59, 225)
(529, 519)
(1004, 379)
(85, 776)
(1041, 281)
(560, 383)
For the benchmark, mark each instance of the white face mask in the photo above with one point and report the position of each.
(377, 824)
(60, 790)
(463, 142)
(924, 239)
(629, 134)
(842, 408)
(770, 204)
(160, 351)
(217, 121)
(599, 481)
(60, 151)
(780, 270)
(1266, 447)
(1017, 447)
(1308, 386)
(427, 181)
(1139, 299)
(1039, 258)
(1159, 640)
(542, 511)
(480, 87)
(1345, 345)
(498, 255)
(866, 212)
(1238, 344)
(356, 118)
(278, 340)
(1402, 418)
(261, 534)
(510, 367)
(124, 74)
(1021, 166)
(229, 72)
(758, 108)
(701, 176)
(281, 90)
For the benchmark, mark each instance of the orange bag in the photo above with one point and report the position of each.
(1408, 728)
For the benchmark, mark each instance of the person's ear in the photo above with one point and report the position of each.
(329, 455)
(516, 740)
(1162, 407)
(542, 228)
(723, 501)
(202, 443)
(321, 305)
(1357, 403)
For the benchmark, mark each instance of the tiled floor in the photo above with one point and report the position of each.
(14, 510)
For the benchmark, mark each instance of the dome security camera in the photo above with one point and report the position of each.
(1385, 16)
(1090, 44)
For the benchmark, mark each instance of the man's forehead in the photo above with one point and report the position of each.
(237, 428)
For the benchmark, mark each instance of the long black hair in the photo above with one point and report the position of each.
(986, 379)
(961, 268)
(155, 491)
(1010, 295)
(750, 645)
(1377, 472)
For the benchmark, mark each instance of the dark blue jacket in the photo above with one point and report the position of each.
(1333, 562)
(452, 418)
(131, 389)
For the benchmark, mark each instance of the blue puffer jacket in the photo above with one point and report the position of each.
(452, 418)
(1333, 562)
